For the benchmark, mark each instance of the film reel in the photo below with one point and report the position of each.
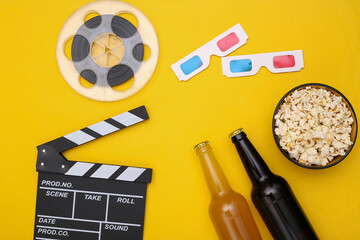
(107, 50)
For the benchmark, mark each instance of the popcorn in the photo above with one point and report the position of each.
(314, 126)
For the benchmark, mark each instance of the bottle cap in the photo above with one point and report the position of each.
(236, 132)
(202, 144)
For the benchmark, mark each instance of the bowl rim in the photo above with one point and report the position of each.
(285, 153)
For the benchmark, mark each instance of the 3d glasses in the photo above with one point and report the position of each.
(275, 62)
(198, 60)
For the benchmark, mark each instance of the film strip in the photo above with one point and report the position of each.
(107, 50)
(81, 200)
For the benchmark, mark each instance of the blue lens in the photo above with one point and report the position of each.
(191, 65)
(242, 65)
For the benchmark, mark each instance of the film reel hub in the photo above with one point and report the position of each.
(107, 50)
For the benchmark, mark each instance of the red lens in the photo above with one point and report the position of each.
(284, 61)
(228, 42)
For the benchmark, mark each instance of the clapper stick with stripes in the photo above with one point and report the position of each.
(80, 200)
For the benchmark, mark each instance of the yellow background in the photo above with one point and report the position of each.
(37, 105)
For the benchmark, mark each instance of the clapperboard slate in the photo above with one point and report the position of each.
(90, 201)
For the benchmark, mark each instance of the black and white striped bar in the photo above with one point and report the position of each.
(99, 129)
(111, 172)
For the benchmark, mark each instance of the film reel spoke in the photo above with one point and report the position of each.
(101, 58)
(97, 49)
(118, 52)
(99, 44)
(102, 40)
(114, 42)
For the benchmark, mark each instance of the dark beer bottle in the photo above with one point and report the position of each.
(272, 195)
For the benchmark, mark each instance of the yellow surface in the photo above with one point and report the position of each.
(37, 105)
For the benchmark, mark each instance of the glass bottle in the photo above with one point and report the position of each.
(272, 195)
(229, 211)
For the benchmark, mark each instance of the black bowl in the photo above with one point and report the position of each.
(353, 133)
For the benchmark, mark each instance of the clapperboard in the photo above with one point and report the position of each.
(90, 201)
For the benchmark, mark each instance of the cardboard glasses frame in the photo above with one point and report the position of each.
(275, 62)
(199, 60)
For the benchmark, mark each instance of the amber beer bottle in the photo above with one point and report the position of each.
(272, 195)
(229, 211)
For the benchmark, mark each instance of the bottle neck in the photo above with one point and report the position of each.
(255, 166)
(215, 177)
